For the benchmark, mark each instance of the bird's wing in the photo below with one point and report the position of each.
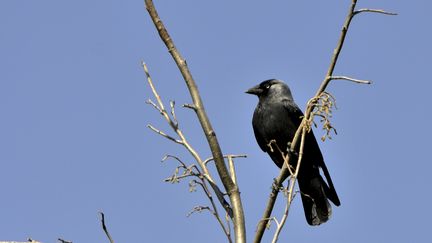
(258, 128)
(276, 121)
(294, 112)
(261, 142)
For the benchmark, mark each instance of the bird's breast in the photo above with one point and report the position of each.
(273, 123)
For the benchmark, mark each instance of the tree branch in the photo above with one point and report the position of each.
(215, 212)
(163, 134)
(183, 141)
(226, 157)
(230, 186)
(61, 240)
(188, 172)
(173, 123)
(359, 81)
(367, 10)
(293, 178)
(105, 228)
(308, 116)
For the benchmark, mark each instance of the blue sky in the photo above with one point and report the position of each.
(73, 129)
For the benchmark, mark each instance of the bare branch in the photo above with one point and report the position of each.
(225, 157)
(183, 165)
(228, 220)
(160, 107)
(267, 222)
(150, 102)
(198, 209)
(61, 240)
(188, 171)
(28, 240)
(174, 125)
(368, 10)
(350, 79)
(190, 107)
(285, 156)
(307, 121)
(172, 104)
(225, 228)
(168, 156)
(290, 191)
(105, 228)
(164, 134)
(152, 86)
(231, 188)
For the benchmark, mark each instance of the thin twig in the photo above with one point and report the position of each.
(174, 125)
(228, 220)
(268, 221)
(163, 134)
(189, 106)
(368, 10)
(152, 86)
(61, 240)
(150, 102)
(285, 157)
(290, 192)
(225, 228)
(168, 156)
(359, 81)
(189, 172)
(172, 104)
(198, 209)
(184, 142)
(105, 228)
(225, 157)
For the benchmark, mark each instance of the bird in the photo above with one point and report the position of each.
(276, 118)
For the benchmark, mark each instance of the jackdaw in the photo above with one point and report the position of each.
(277, 117)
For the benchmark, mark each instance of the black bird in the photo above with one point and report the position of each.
(277, 117)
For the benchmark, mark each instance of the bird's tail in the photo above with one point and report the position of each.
(315, 203)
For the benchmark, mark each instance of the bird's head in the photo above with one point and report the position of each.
(272, 88)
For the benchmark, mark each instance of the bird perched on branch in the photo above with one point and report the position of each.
(276, 118)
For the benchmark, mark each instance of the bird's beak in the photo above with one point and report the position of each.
(256, 90)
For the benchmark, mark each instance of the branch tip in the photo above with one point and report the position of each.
(190, 106)
(379, 11)
(59, 239)
(104, 227)
(359, 81)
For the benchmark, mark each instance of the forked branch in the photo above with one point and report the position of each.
(184, 171)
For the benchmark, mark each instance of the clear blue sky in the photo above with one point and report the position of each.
(73, 133)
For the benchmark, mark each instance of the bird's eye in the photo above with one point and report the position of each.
(267, 86)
